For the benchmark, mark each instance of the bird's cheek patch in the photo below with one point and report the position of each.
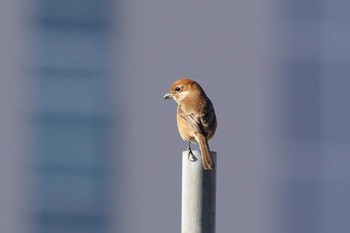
(182, 95)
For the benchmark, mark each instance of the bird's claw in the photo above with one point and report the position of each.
(190, 155)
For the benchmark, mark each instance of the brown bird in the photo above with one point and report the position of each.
(196, 120)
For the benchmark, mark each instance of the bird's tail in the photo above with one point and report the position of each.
(207, 159)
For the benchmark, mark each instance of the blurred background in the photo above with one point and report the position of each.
(88, 144)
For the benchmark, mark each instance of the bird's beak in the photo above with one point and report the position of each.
(168, 96)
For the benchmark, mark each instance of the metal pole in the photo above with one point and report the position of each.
(198, 195)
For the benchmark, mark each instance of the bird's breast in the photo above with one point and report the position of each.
(186, 132)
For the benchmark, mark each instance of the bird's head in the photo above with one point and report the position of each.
(181, 88)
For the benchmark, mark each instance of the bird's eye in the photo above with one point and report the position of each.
(177, 88)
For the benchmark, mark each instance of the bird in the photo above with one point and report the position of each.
(196, 119)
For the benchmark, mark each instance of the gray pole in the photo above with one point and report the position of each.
(198, 195)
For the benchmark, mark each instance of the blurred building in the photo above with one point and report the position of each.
(88, 145)
(70, 120)
(314, 65)
(65, 114)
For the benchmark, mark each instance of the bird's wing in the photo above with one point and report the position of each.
(192, 120)
(202, 123)
(208, 120)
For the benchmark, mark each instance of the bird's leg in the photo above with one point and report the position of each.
(189, 146)
(190, 154)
